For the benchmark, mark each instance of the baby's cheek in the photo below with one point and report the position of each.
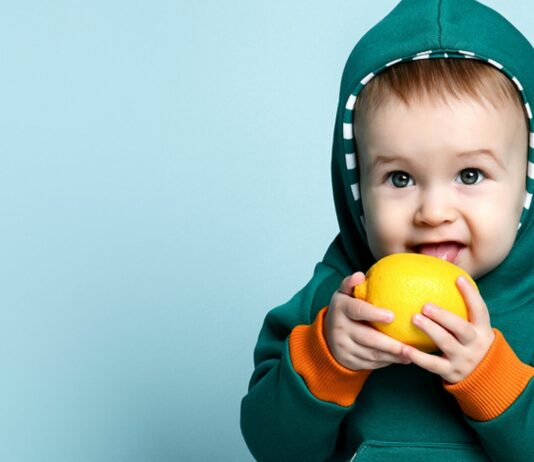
(384, 238)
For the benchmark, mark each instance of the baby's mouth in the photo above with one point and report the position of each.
(445, 250)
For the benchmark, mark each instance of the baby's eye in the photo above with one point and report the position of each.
(399, 179)
(470, 176)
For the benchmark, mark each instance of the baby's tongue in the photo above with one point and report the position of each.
(445, 250)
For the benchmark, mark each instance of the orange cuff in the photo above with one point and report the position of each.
(326, 379)
(494, 384)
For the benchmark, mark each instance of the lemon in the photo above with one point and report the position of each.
(403, 283)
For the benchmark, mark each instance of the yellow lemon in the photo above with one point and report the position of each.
(403, 283)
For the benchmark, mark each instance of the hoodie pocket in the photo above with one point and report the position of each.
(379, 451)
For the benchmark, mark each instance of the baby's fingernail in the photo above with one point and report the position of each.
(418, 319)
(388, 316)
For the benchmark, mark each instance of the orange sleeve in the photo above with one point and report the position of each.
(494, 384)
(326, 379)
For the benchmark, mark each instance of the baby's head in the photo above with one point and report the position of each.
(442, 148)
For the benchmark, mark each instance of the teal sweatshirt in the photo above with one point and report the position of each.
(401, 413)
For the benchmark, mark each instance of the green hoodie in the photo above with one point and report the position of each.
(404, 413)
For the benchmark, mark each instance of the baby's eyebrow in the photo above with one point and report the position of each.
(381, 159)
(483, 152)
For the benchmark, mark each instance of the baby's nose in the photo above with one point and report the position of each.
(435, 207)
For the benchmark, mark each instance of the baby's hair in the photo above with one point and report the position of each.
(438, 78)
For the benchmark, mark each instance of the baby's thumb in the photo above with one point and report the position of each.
(348, 284)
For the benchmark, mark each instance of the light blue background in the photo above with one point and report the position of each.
(164, 182)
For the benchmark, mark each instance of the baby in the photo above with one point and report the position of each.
(431, 155)
(442, 149)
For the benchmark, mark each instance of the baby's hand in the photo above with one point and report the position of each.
(463, 343)
(353, 343)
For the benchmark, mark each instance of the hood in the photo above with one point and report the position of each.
(427, 29)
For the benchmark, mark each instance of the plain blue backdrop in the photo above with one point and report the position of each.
(164, 182)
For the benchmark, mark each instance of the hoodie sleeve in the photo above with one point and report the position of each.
(284, 417)
(497, 399)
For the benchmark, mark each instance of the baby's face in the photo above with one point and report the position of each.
(445, 180)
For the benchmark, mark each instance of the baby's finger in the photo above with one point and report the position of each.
(368, 336)
(376, 356)
(461, 329)
(445, 341)
(359, 310)
(478, 311)
(432, 363)
(348, 284)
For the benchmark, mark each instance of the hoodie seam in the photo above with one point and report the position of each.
(439, 24)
